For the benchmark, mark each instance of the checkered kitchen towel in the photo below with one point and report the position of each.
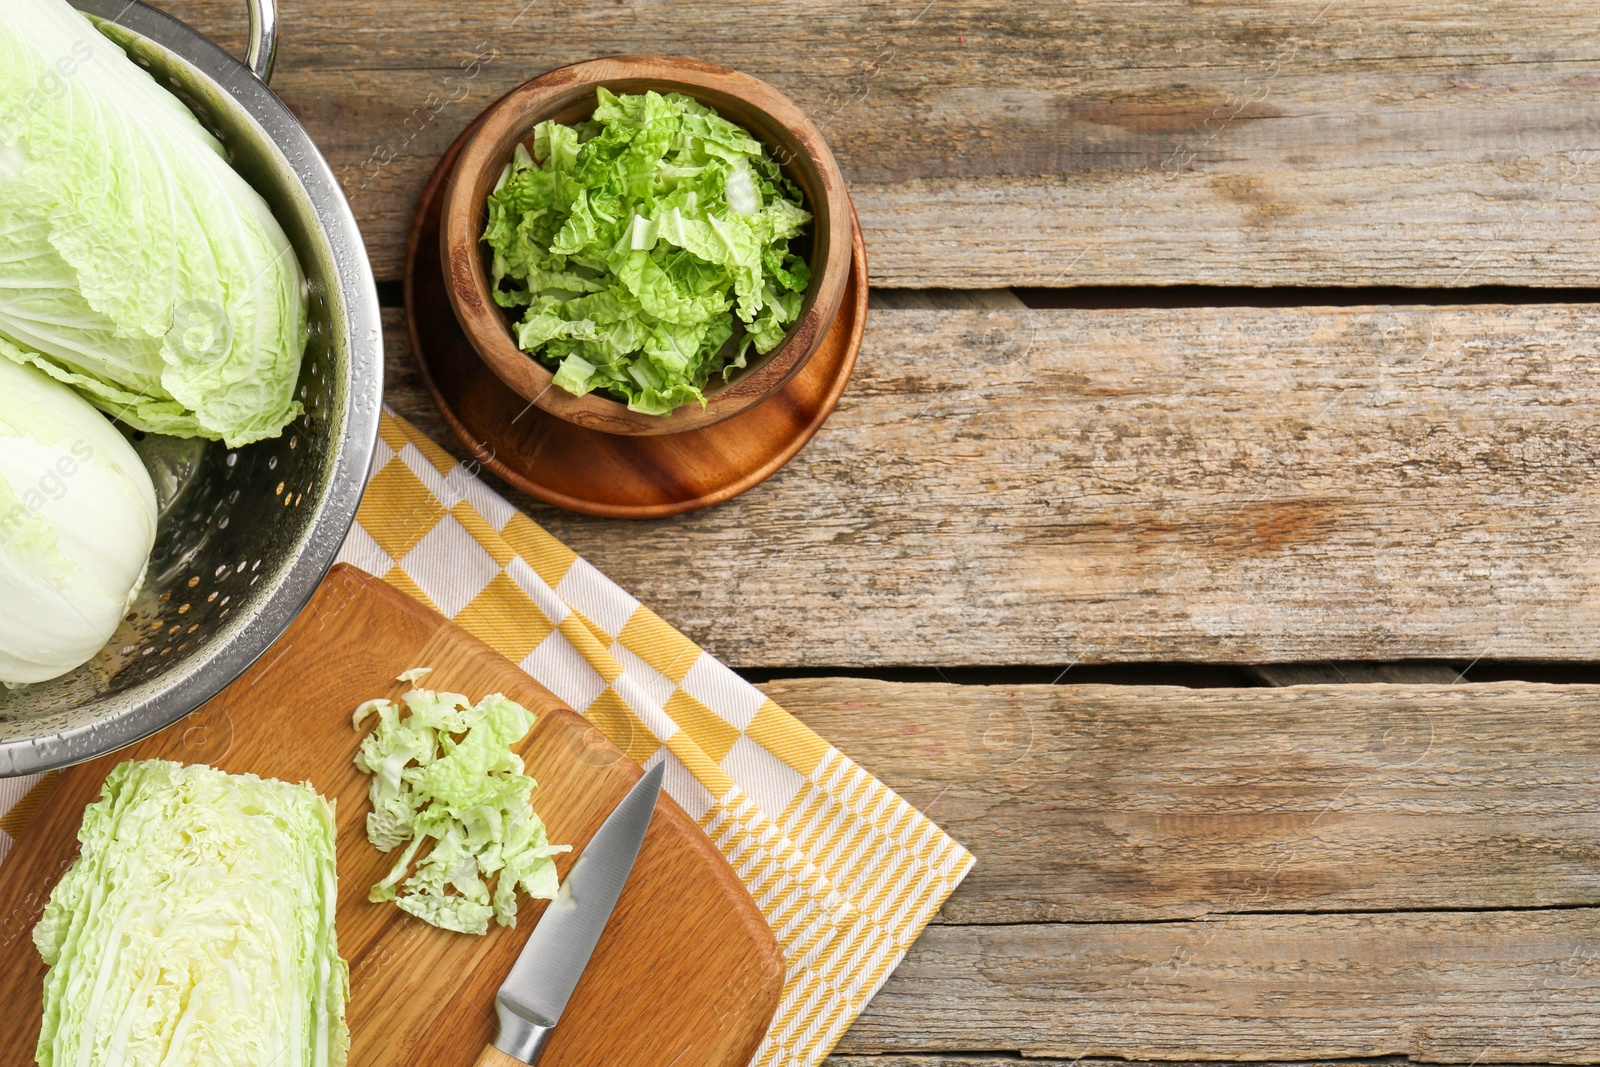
(846, 872)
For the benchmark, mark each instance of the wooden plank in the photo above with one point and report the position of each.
(1001, 1059)
(1116, 803)
(1243, 485)
(1489, 987)
(980, 1059)
(1103, 142)
(1102, 802)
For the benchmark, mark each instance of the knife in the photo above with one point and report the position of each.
(533, 996)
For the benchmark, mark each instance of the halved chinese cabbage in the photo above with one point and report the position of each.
(195, 928)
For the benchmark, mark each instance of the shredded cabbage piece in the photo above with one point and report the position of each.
(443, 770)
(640, 242)
(196, 927)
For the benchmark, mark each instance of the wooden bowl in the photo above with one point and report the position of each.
(567, 95)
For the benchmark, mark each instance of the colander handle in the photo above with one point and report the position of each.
(263, 50)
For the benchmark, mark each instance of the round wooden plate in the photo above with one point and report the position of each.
(619, 477)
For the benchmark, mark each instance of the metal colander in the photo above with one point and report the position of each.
(245, 535)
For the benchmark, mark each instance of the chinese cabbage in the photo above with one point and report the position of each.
(196, 928)
(77, 522)
(135, 264)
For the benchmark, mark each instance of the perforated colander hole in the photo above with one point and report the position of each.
(192, 583)
(278, 491)
(222, 523)
(212, 596)
(272, 463)
(254, 566)
(233, 457)
(183, 609)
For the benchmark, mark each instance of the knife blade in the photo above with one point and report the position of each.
(533, 996)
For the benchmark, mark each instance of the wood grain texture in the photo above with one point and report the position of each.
(1105, 142)
(1242, 485)
(1488, 987)
(980, 1059)
(1134, 803)
(698, 982)
(1240, 809)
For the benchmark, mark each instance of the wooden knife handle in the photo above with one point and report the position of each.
(493, 1057)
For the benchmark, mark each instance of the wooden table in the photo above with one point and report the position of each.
(1364, 428)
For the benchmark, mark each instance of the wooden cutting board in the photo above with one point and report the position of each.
(687, 974)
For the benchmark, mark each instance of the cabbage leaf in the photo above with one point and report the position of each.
(443, 771)
(196, 928)
(640, 242)
(135, 264)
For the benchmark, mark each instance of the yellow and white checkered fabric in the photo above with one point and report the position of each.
(846, 872)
